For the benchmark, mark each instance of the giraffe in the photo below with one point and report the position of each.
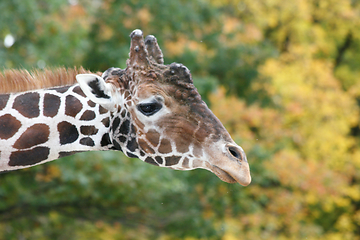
(148, 110)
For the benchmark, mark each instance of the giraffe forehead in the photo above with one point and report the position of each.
(172, 80)
(149, 89)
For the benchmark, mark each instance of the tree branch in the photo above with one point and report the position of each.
(342, 49)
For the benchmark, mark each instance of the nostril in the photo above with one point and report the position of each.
(235, 152)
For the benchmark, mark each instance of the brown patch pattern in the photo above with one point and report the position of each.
(34, 135)
(78, 90)
(28, 104)
(182, 143)
(51, 105)
(102, 110)
(159, 159)
(165, 146)
(68, 132)
(106, 122)
(144, 146)
(153, 137)
(9, 125)
(89, 130)
(87, 142)
(173, 160)
(65, 154)
(88, 115)
(105, 140)
(151, 161)
(91, 103)
(61, 89)
(29, 157)
(197, 150)
(185, 163)
(3, 101)
(72, 106)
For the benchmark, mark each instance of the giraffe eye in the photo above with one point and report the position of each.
(149, 109)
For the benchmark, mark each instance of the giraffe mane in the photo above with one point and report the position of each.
(19, 80)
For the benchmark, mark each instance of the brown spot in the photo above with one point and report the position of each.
(87, 142)
(27, 104)
(29, 157)
(91, 103)
(153, 137)
(132, 144)
(182, 144)
(165, 146)
(106, 122)
(151, 161)
(144, 146)
(68, 132)
(121, 139)
(72, 106)
(88, 115)
(34, 135)
(65, 154)
(9, 125)
(197, 163)
(89, 130)
(51, 105)
(185, 163)
(105, 140)
(124, 128)
(78, 90)
(3, 101)
(180, 129)
(123, 113)
(197, 150)
(131, 155)
(102, 110)
(159, 159)
(169, 161)
(61, 89)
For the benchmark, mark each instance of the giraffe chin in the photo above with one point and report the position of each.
(224, 176)
(227, 177)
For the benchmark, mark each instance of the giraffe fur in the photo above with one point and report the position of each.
(35, 130)
(149, 111)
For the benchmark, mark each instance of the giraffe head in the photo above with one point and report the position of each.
(159, 117)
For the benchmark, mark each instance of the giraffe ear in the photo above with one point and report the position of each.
(96, 89)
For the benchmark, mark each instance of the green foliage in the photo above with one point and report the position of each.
(282, 76)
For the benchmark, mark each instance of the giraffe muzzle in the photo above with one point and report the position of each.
(231, 166)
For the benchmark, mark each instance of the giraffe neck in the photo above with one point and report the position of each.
(44, 125)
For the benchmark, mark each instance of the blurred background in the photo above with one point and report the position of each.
(282, 76)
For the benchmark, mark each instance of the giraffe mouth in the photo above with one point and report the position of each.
(224, 176)
(232, 175)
